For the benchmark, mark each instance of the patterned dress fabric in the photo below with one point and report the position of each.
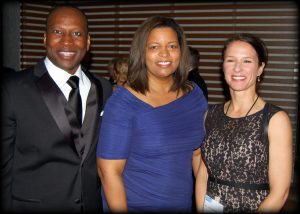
(234, 150)
(158, 144)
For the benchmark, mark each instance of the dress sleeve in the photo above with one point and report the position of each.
(116, 129)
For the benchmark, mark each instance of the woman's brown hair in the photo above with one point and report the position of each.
(137, 70)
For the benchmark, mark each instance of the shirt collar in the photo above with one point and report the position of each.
(59, 75)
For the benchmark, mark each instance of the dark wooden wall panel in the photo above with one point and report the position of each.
(207, 25)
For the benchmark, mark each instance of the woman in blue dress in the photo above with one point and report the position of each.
(152, 127)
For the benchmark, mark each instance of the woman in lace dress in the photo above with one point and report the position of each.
(244, 169)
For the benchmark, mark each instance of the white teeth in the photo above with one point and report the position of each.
(164, 63)
(238, 78)
(67, 53)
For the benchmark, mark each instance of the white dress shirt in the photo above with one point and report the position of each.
(61, 77)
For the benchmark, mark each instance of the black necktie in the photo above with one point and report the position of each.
(74, 97)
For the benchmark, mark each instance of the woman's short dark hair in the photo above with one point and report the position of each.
(258, 45)
(137, 70)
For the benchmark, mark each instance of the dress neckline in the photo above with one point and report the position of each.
(237, 118)
(183, 97)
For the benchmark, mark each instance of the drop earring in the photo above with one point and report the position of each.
(258, 78)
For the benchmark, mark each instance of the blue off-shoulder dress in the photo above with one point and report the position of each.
(158, 143)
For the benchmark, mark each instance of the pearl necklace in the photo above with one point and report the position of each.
(249, 109)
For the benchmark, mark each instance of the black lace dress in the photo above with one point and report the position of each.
(236, 157)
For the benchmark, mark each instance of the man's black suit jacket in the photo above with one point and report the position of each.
(41, 169)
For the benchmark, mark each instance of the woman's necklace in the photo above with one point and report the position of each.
(249, 109)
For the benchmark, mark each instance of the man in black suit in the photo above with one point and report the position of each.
(6, 72)
(194, 74)
(48, 157)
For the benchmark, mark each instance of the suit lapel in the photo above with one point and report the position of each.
(55, 101)
(90, 124)
(64, 116)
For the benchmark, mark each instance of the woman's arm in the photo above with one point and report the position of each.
(196, 161)
(110, 173)
(280, 162)
(201, 185)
